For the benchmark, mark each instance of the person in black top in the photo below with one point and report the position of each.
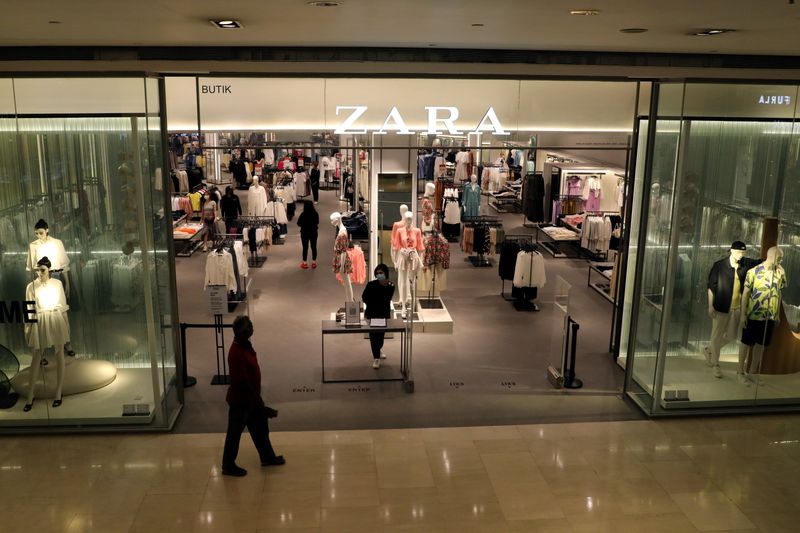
(231, 208)
(377, 296)
(314, 179)
(309, 229)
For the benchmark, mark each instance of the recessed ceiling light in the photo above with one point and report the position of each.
(585, 12)
(226, 24)
(477, 25)
(633, 30)
(324, 4)
(54, 22)
(712, 31)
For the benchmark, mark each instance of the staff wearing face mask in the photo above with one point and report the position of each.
(377, 296)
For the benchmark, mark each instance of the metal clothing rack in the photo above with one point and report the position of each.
(255, 260)
(527, 244)
(488, 221)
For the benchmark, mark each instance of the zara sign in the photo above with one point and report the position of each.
(441, 119)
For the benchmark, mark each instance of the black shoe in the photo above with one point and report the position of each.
(28, 407)
(44, 362)
(56, 403)
(277, 461)
(71, 353)
(235, 471)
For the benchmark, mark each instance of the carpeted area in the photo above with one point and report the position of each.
(490, 370)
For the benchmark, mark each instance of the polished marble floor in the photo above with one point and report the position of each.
(714, 474)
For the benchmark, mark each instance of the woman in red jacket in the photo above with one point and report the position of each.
(247, 409)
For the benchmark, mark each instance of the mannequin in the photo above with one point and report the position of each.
(427, 207)
(52, 248)
(725, 287)
(256, 199)
(396, 226)
(472, 197)
(50, 329)
(760, 312)
(341, 261)
(409, 246)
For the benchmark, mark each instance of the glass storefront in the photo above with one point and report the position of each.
(86, 275)
(710, 320)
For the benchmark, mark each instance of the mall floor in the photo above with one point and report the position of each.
(670, 476)
(490, 369)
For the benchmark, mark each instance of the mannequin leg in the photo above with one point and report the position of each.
(717, 333)
(34, 375)
(755, 361)
(60, 366)
(402, 286)
(348, 288)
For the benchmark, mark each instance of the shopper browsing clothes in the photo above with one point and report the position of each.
(314, 179)
(377, 296)
(231, 208)
(309, 230)
(246, 407)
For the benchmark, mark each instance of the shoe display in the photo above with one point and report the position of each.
(717, 371)
(277, 461)
(235, 471)
(376, 363)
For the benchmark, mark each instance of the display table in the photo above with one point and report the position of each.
(331, 327)
(559, 242)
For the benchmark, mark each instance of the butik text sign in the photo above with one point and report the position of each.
(437, 116)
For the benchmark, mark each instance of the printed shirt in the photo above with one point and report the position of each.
(437, 252)
(765, 292)
(340, 253)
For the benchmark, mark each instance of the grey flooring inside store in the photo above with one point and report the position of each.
(490, 370)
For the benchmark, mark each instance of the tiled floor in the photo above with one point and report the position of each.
(722, 474)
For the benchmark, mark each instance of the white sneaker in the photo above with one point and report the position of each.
(743, 379)
(717, 371)
(376, 363)
(707, 354)
(383, 355)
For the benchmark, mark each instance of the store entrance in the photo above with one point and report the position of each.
(481, 348)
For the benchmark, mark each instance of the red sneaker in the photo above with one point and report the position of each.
(314, 264)
(304, 265)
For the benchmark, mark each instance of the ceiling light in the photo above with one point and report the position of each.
(585, 12)
(324, 4)
(633, 30)
(478, 25)
(226, 24)
(712, 31)
(54, 22)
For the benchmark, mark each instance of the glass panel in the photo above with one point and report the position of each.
(91, 180)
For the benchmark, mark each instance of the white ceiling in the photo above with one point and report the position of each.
(768, 27)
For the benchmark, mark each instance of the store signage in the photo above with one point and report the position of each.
(215, 89)
(766, 99)
(437, 116)
(217, 299)
(18, 312)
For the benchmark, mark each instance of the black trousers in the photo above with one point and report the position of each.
(255, 420)
(306, 240)
(376, 343)
(315, 191)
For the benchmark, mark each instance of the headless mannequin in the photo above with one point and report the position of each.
(430, 190)
(750, 372)
(724, 326)
(43, 273)
(397, 225)
(405, 277)
(336, 221)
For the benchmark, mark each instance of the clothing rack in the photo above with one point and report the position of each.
(522, 303)
(486, 221)
(255, 260)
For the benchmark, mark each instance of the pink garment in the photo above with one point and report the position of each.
(592, 201)
(359, 273)
(396, 226)
(408, 238)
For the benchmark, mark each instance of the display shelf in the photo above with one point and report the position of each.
(603, 287)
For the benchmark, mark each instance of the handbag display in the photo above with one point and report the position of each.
(357, 226)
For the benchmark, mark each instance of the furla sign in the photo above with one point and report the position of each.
(441, 119)
(766, 99)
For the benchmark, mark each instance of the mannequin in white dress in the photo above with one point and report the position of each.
(50, 329)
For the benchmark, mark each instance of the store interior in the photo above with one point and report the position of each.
(481, 347)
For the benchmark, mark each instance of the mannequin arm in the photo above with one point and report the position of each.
(66, 283)
(743, 316)
(710, 303)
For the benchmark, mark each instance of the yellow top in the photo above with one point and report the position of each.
(736, 298)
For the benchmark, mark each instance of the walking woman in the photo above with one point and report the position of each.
(309, 229)
(377, 296)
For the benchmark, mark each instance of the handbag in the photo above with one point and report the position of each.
(270, 412)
